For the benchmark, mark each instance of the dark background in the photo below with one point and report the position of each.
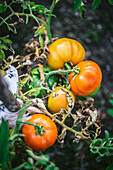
(95, 33)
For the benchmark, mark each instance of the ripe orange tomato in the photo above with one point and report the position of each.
(88, 80)
(65, 50)
(58, 99)
(40, 142)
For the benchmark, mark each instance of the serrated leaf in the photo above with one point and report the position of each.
(2, 54)
(4, 141)
(96, 4)
(111, 2)
(77, 4)
(110, 111)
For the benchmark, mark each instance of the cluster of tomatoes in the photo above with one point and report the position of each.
(83, 83)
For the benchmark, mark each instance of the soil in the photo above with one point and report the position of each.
(95, 33)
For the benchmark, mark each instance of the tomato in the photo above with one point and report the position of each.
(36, 81)
(88, 80)
(59, 99)
(65, 50)
(36, 141)
(95, 92)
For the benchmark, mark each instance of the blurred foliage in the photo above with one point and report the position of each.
(110, 110)
(103, 148)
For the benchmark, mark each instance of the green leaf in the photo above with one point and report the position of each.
(111, 101)
(96, 4)
(2, 54)
(110, 111)
(41, 41)
(41, 7)
(44, 159)
(77, 4)
(51, 166)
(20, 166)
(32, 3)
(7, 41)
(40, 30)
(98, 159)
(2, 46)
(106, 134)
(109, 167)
(2, 8)
(4, 142)
(22, 111)
(111, 2)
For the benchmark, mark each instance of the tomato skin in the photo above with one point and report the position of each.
(38, 142)
(65, 50)
(95, 92)
(57, 99)
(88, 80)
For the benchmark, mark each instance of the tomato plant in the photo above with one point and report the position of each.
(88, 80)
(60, 98)
(65, 50)
(42, 136)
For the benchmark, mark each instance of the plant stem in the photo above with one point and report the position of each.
(34, 90)
(62, 124)
(49, 18)
(29, 15)
(56, 72)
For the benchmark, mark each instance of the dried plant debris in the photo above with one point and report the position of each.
(87, 118)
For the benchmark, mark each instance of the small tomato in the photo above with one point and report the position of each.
(88, 80)
(37, 141)
(59, 99)
(65, 50)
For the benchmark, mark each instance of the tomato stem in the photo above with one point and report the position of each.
(75, 70)
(63, 125)
(39, 130)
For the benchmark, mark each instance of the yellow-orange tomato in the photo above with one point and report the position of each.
(58, 99)
(88, 80)
(36, 141)
(65, 50)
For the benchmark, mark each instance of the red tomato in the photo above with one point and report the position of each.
(65, 50)
(88, 80)
(40, 142)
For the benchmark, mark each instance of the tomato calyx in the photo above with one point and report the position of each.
(39, 130)
(76, 71)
